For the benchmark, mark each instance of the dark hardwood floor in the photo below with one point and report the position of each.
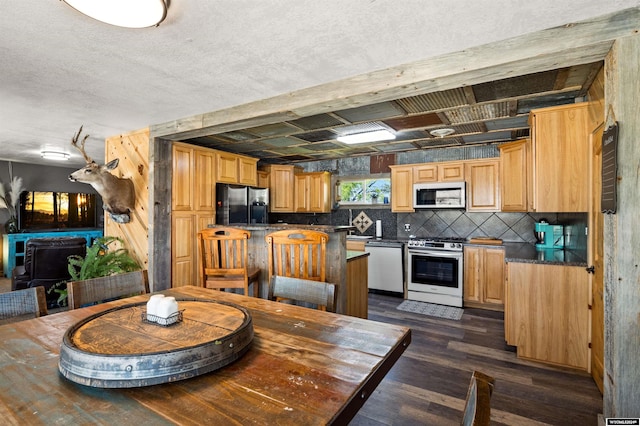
(428, 385)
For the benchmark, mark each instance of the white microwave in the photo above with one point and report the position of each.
(440, 195)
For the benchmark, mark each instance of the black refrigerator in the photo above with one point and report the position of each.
(241, 204)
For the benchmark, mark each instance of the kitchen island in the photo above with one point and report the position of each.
(336, 260)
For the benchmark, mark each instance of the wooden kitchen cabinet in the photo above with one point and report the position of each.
(184, 246)
(281, 187)
(547, 313)
(448, 171)
(236, 169)
(312, 192)
(401, 188)
(515, 170)
(560, 151)
(263, 179)
(483, 185)
(193, 208)
(193, 178)
(484, 277)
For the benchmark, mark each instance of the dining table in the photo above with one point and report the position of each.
(302, 367)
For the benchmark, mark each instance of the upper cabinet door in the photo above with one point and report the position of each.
(560, 142)
(515, 169)
(483, 185)
(183, 180)
(226, 167)
(247, 171)
(402, 188)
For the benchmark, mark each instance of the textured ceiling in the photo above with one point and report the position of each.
(495, 111)
(60, 69)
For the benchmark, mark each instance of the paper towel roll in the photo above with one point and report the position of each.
(378, 228)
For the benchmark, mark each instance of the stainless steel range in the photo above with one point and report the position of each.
(435, 270)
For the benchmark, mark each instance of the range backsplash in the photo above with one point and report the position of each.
(510, 227)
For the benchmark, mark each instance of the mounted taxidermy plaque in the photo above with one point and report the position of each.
(118, 194)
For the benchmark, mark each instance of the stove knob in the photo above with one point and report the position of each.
(458, 245)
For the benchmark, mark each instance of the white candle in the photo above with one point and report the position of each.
(152, 306)
(167, 307)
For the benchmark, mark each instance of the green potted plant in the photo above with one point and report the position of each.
(101, 260)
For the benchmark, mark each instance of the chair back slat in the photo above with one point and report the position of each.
(477, 409)
(321, 294)
(297, 253)
(23, 304)
(102, 289)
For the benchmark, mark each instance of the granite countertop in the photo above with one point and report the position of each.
(279, 226)
(527, 253)
(354, 254)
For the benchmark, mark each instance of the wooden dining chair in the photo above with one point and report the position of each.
(477, 409)
(23, 304)
(297, 253)
(224, 259)
(102, 289)
(321, 294)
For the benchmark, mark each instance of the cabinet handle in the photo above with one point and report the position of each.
(591, 269)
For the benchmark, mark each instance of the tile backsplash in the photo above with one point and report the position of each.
(510, 227)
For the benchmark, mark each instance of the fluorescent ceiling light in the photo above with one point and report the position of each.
(54, 155)
(123, 13)
(376, 136)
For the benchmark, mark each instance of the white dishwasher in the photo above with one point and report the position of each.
(386, 267)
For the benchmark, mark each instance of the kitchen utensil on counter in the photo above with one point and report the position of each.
(549, 236)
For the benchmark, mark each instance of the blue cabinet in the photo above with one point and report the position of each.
(13, 245)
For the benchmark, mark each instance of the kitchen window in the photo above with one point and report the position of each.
(364, 191)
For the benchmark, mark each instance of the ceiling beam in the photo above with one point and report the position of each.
(571, 44)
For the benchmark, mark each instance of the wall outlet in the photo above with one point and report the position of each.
(407, 227)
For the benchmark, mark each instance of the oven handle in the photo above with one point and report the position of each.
(440, 253)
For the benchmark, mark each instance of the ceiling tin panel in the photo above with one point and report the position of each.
(414, 121)
(236, 136)
(526, 105)
(415, 134)
(487, 137)
(371, 112)
(440, 142)
(324, 146)
(395, 147)
(434, 101)
(516, 86)
(519, 121)
(314, 122)
(277, 129)
(321, 135)
(473, 113)
(282, 142)
(469, 128)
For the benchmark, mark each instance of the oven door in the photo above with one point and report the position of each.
(435, 276)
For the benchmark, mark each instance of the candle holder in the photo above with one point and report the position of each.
(172, 319)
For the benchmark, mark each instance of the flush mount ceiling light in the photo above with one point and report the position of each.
(376, 136)
(54, 155)
(441, 133)
(123, 13)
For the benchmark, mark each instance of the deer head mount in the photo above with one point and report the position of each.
(118, 195)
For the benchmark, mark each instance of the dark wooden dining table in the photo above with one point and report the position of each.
(304, 367)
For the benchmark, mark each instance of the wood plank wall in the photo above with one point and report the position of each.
(132, 151)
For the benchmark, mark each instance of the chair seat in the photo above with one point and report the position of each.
(223, 280)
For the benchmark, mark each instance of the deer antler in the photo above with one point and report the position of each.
(74, 142)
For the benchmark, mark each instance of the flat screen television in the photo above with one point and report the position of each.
(49, 210)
